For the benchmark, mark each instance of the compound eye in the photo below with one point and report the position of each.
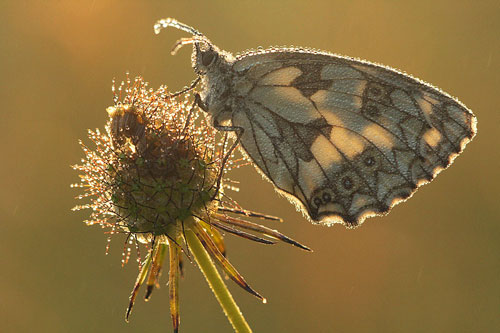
(208, 57)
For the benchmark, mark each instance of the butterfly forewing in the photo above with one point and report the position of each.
(347, 138)
(342, 138)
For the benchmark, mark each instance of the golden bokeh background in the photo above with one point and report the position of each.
(432, 265)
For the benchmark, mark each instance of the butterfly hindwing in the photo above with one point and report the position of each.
(347, 138)
(342, 138)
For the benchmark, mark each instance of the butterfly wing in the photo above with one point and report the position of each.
(343, 138)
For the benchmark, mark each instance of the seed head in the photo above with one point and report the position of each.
(153, 168)
(154, 175)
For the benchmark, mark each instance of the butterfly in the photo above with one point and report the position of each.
(342, 138)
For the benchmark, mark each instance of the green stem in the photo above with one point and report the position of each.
(216, 283)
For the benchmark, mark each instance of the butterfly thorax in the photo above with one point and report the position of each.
(217, 80)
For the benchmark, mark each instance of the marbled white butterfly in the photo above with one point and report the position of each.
(342, 138)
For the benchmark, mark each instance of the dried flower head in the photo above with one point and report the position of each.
(156, 175)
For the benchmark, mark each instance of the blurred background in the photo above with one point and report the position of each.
(432, 265)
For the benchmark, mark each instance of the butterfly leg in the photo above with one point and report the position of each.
(186, 89)
(239, 133)
(236, 129)
(197, 101)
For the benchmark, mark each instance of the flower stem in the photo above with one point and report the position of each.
(216, 283)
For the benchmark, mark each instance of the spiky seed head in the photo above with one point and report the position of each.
(153, 169)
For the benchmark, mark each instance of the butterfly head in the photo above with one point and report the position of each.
(205, 55)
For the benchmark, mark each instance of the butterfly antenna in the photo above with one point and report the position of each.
(170, 22)
(198, 37)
